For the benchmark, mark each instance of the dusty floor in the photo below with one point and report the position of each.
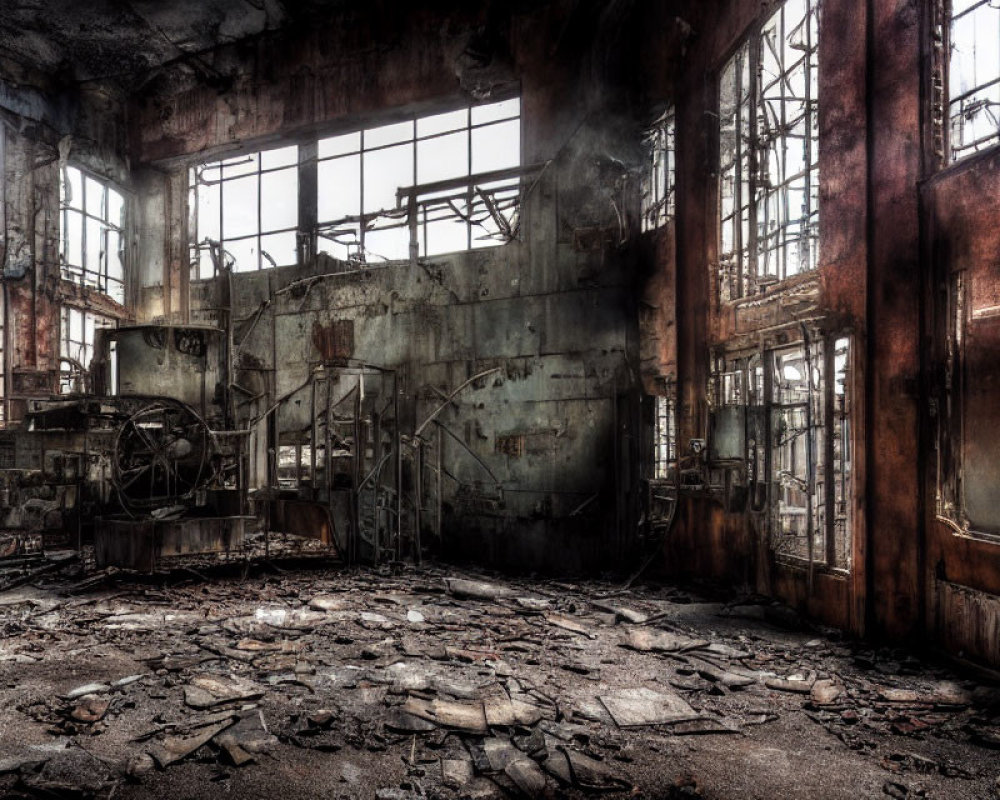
(323, 682)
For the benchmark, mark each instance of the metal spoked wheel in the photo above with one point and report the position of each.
(162, 456)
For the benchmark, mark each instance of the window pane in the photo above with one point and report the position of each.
(244, 254)
(116, 244)
(281, 249)
(388, 134)
(73, 188)
(239, 207)
(73, 243)
(95, 197)
(339, 188)
(496, 146)
(443, 157)
(340, 145)
(208, 212)
(240, 165)
(974, 69)
(386, 171)
(442, 123)
(116, 208)
(282, 157)
(95, 249)
(446, 236)
(392, 244)
(494, 111)
(279, 206)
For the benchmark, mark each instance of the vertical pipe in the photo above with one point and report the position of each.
(616, 444)
(313, 438)
(355, 504)
(399, 466)
(440, 462)
(411, 218)
(418, 464)
(830, 472)
(328, 441)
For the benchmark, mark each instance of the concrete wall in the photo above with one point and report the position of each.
(555, 311)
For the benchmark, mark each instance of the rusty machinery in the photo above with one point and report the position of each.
(175, 446)
(146, 463)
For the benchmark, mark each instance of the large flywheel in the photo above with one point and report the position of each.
(162, 456)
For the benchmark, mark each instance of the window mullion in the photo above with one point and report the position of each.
(754, 86)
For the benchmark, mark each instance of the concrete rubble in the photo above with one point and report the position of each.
(406, 683)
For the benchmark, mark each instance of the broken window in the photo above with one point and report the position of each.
(665, 438)
(244, 212)
(92, 238)
(811, 453)
(76, 346)
(456, 166)
(795, 454)
(657, 189)
(968, 437)
(768, 153)
(780, 428)
(295, 464)
(439, 183)
(973, 76)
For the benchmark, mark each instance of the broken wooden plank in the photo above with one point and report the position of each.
(569, 624)
(206, 691)
(653, 639)
(469, 717)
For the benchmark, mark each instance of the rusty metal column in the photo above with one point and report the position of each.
(418, 479)
(440, 463)
(399, 466)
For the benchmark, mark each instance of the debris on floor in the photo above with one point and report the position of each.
(433, 682)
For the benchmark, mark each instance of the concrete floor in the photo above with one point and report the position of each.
(435, 682)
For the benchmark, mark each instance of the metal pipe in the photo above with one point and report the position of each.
(451, 397)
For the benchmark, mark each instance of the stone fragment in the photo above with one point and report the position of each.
(825, 692)
(140, 765)
(90, 709)
(477, 590)
(527, 776)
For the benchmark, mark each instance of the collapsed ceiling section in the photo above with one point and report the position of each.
(118, 40)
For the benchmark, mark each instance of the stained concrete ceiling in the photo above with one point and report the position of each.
(85, 40)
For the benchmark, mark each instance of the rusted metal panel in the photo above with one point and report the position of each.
(303, 518)
(335, 341)
(139, 544)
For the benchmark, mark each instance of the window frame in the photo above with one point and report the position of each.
(942, 74)
(311, 225)
(259, 173)
(664, 437)
(657, 193)
(822, 400)
(77, 274)
(743, 261)
(67, 343)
